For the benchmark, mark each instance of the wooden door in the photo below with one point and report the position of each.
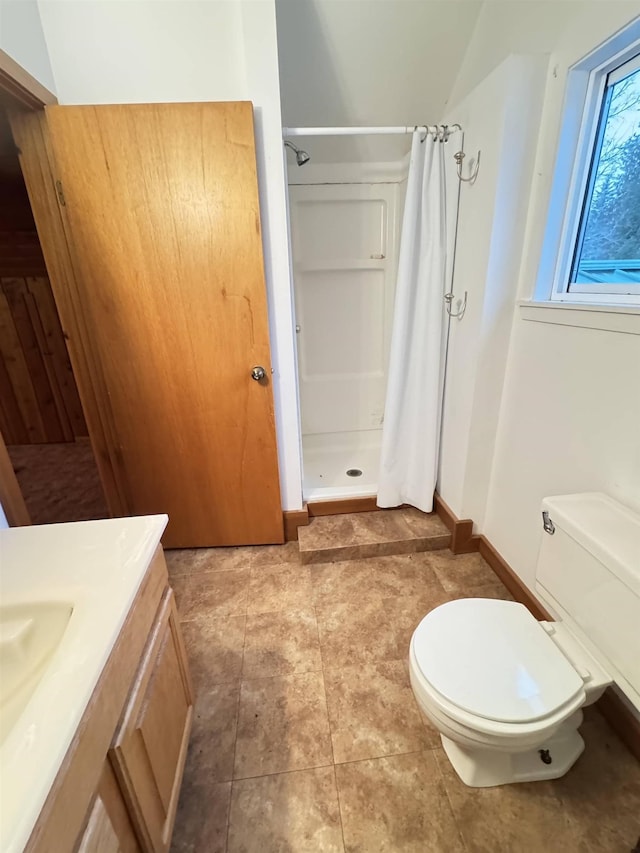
(150, 747)
(161, 204)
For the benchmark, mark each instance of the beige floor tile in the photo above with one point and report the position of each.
(273, 555)
(601, 793)
(422, 523)
(523, 816)
(287, 812)
(283, 586)
(465, 574)
(283, 725)
(187, 561)
(352, 581)
(202, 819)
(356, 528)
(214, 648)
(375, 630)
(179, 585)
(213, 737)
(372, 712)
(356, 535)
(215, 594)
(279, 643)
(396, 804)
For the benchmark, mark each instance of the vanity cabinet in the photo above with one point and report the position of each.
(150, 745)
(118, 787)
(109, 828)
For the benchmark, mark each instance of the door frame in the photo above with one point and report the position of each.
(25, 99)
(19, 90)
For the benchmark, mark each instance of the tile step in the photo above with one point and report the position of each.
(359, 535)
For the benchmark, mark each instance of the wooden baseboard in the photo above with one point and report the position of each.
(511, 580)
(462, 539)
(342, 505)
(615, 711)
(293, 519)
(622, 720)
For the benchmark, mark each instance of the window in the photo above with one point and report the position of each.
(606, 256)
(592, 243)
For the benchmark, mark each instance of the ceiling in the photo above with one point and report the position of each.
(369, 62)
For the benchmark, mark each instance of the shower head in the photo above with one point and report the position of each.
(301, 156)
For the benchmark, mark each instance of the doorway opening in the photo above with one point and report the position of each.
(41, 417)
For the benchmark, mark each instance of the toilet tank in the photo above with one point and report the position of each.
(588, 573)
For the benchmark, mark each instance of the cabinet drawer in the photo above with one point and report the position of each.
(150, 745)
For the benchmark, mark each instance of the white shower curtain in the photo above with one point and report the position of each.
(410, 434)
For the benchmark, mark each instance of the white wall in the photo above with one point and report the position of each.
(107, 51)
(369, 62)
(570, 409)
(500, 118)
(3, 519)
(21, 36)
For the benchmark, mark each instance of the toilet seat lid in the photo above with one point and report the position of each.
(492, 659)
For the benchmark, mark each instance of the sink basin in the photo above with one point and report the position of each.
(29, 635)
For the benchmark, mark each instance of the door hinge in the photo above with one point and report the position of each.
(60, 192)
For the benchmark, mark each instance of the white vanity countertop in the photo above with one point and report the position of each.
(97, 567)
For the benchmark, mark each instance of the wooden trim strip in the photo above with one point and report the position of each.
(19, 89)
(462, 539)
(621, 719)
(11, 497)
(342, 505)
(293, 519)
(511, 580)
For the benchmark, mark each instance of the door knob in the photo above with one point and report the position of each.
(258, 373)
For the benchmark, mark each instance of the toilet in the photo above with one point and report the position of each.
(506, 691)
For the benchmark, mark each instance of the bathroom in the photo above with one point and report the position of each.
(539, 401)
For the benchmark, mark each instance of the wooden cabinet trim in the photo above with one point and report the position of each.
(109, 828)
(153, 811)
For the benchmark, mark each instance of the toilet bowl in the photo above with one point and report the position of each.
(504, 690)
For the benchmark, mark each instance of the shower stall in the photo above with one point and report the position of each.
(344, 247)
(345, 239)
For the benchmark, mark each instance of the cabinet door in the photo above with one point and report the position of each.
(109, 828)
(150, 746)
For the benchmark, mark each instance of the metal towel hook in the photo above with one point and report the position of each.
(462, 305)
(459, 157)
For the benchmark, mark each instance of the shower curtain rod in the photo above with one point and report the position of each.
(362, 131)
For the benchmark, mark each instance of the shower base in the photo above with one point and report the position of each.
(328, 456)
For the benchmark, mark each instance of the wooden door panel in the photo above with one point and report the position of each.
(109, 828)
(163, 210)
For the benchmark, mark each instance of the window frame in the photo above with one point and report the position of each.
(581, 126)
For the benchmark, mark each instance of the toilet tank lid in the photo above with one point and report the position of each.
(604, 527)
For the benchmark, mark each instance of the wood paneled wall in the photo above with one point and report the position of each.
(39, 400)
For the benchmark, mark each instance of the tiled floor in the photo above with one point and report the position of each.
(307, 736)
(59, 482)
(371, 534)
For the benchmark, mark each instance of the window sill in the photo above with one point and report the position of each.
(608, 318)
